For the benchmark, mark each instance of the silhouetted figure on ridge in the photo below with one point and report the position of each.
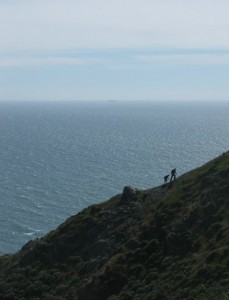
(173, 175)
(166, 178)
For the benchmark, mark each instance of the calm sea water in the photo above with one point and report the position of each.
(57, 158)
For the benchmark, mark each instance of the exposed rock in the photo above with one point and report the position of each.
(128, 193)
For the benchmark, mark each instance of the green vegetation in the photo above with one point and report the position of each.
(165, 243)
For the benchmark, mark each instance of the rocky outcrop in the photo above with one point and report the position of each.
(129, 192)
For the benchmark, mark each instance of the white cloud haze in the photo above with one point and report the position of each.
(55, 24)
(127, 48)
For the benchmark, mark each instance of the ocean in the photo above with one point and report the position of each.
(58, 157)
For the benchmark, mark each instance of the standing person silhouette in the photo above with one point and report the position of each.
(173, 175)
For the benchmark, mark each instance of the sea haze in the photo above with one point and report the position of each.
(57, 158)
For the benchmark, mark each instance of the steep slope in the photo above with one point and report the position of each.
(169, 242)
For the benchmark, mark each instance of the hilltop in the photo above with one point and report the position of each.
(166, 243)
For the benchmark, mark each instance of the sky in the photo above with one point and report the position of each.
(114, 50)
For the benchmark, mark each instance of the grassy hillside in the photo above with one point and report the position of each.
(165, 243)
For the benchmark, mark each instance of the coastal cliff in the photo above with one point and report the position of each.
(166, 243)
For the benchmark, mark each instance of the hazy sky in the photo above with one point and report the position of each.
(114, 49)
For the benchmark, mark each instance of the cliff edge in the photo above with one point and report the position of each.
(165, 243)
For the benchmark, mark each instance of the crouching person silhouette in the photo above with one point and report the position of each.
(166, 178)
